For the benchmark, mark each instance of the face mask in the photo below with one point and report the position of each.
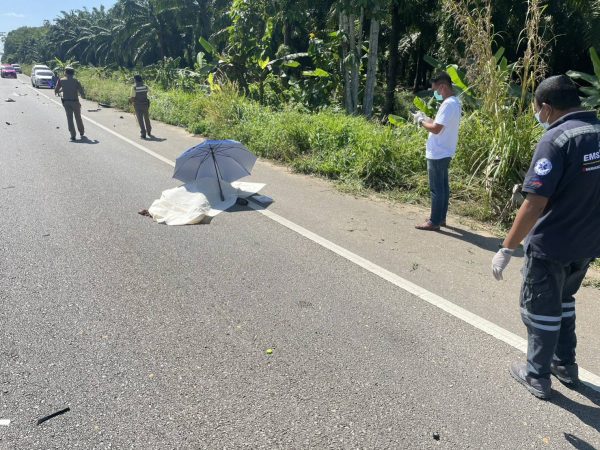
(438, 96)
(545, 125)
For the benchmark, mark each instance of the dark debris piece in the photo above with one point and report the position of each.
(436, 436)
(51, 416)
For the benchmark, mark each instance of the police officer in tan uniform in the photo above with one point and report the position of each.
(71, 89)
(141, 104)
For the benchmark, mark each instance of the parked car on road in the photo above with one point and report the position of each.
(17, 68)
(37, 67)
(7, 71)
(42, 77)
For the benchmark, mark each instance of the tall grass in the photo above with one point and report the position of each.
(502, 133)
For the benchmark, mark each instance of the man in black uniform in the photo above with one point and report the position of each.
(71, 89)
(561, 220)
(141, 104)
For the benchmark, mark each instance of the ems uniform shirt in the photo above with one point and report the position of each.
(566, 169)
(443, 145)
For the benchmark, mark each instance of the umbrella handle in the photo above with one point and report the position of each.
(217, 172)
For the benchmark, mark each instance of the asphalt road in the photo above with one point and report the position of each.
(155, 337)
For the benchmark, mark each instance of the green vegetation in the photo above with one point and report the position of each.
(291, 79)
(351, 150)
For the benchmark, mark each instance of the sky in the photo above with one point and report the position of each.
(32, 13)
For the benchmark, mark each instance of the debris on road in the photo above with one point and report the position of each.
(104, 105)
(51, 416)
(45, 235)
(121, 117)
(94, 110)
(262, 199)
(8, 123)
(269, 351)
(10, 100)
(9, 187)
(436, 436)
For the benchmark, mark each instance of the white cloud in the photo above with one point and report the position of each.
(14, 14)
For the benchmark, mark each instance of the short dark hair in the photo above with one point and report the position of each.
(70, 71)
(559, 92)
(137, 78)
(442, 77)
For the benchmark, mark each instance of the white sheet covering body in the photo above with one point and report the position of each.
(193, 202)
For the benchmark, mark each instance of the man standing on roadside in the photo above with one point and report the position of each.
(560, 220)
(141, 104)
(441, 147)
(71, 89)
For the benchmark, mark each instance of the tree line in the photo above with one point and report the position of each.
(353, 53)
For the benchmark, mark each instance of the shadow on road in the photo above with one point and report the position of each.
(86, 140)
(577, 443)
(155, 139)
(590, 415)
(486, 243)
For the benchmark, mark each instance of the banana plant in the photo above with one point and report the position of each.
(591, 93)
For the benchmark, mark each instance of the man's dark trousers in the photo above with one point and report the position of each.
(548, 311)
(142, 112)
(437, 169)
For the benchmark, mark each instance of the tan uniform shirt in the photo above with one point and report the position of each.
(70, 88)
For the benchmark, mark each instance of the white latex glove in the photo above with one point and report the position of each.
(418, 117)
(500, 261)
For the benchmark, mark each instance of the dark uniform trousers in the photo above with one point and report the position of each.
(548, 311)
(143, 117)
(73, 108)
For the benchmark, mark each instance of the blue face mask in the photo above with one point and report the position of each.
(438, 96)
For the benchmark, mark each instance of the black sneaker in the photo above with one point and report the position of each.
(540, 387)
(72, 138)
(143, 136)
(568, 374)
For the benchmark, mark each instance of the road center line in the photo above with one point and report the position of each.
(588, 378)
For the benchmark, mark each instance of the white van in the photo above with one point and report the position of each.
(37, 67)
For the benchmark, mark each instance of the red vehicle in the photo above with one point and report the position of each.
(8, 71)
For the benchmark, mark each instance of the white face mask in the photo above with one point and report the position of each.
(545, 125)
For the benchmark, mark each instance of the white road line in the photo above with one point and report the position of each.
(114, 133)
(590, 379)
(4, 422)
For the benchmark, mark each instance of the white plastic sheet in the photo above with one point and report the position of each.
(194, 202)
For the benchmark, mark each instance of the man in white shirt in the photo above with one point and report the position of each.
(441, 147)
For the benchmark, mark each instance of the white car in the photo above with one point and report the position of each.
(17, 68)
(42, 77)
(38, 66)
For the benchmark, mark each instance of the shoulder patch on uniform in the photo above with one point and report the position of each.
(543, 167)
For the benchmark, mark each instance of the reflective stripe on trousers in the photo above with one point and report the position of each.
(548, 311)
